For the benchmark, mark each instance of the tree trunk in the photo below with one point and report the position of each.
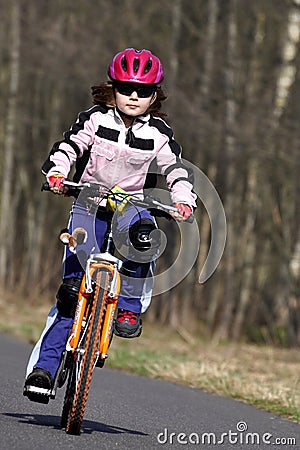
(223, 330)
(249, 245)
(174, 300)
(287, 71)
(7, 219)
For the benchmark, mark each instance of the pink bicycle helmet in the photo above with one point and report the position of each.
(136, 66)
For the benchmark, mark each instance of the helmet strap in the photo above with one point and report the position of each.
(154, 97)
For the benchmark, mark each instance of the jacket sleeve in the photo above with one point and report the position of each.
(76, 141)
(179, 177)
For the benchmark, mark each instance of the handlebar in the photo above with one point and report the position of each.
(154, 205)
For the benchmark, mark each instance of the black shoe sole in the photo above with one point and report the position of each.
(36, 397)
(37, 388)
(126, 334)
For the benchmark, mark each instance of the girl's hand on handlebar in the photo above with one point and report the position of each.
(184, 212)
(56, 183)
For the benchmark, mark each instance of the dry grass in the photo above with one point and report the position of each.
(264, 376)
(24, 321)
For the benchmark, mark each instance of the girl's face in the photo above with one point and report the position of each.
(134, 103)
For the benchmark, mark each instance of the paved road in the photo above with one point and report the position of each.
(129, 412)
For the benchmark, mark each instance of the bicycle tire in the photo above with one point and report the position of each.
(69, 395)
(70, 390)
(79, 389)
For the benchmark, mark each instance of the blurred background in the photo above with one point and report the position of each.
(233, 84)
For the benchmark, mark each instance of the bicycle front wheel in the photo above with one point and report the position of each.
(81, 373)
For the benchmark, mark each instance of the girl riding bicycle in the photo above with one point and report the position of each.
(121, 141)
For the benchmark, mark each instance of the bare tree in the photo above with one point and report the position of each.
(8, 214)
(223, 331)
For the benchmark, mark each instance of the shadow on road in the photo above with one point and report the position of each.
(88, 426)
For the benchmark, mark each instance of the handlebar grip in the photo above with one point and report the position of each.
(72, 192)
(45, 186)
(190, 219)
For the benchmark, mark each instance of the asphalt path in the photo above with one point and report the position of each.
(132, 412)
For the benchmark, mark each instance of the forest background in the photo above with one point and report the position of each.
(233, 84)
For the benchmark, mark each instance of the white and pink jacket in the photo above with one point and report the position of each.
(105, 152)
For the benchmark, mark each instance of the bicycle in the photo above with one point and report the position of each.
(92, 329)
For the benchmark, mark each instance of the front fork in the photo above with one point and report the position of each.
(74, 351)
(81, 314)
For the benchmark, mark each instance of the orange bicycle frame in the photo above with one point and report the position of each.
(81, 313)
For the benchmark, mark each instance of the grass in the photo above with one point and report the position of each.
(263, 376)
(25, 322)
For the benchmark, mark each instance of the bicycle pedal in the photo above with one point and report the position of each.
(37, 394)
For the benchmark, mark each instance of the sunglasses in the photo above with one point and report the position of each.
(142, 90)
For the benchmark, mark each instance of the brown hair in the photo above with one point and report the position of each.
(104, 94)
